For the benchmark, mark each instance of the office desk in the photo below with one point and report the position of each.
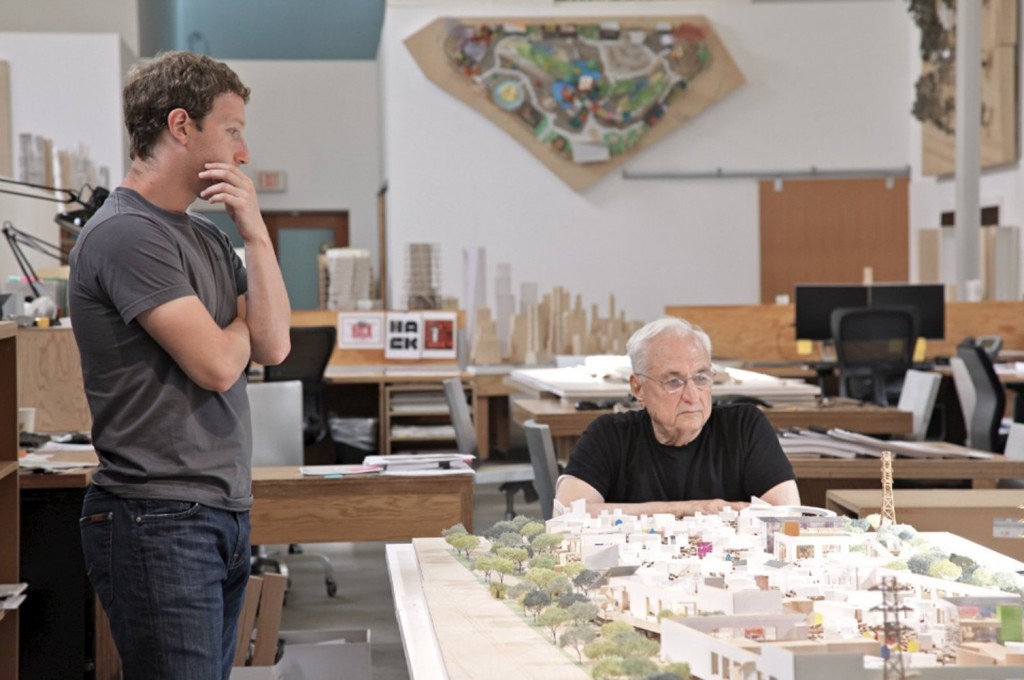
(64, 629)
(567, 422)
(815, 476)
(290, 508)
(965, 512)
(64, 632)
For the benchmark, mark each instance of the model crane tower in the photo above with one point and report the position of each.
(888, 506)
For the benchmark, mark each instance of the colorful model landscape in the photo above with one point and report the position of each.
(590, 91)
(757, 594)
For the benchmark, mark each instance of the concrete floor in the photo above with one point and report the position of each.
(364, 597)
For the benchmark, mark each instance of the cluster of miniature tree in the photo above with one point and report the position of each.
(933, 561)
(556, 598)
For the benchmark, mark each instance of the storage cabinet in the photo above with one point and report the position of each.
(415, 418)
(9, 500)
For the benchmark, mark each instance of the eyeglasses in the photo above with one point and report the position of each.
(702, 381)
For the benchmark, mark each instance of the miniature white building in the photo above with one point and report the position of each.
(757, 595)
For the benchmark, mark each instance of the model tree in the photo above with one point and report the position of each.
(518, 555)
(553, 618)
(535, 601)
(464, 543)
(577, 637)
(485, 563)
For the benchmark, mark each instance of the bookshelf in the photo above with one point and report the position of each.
(9, 501)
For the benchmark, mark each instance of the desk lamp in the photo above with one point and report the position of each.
(72, 221)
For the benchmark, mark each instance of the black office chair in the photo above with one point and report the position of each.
(311, 350)
(874, 349)
(989, 399)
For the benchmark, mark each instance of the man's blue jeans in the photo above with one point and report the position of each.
(171, 576)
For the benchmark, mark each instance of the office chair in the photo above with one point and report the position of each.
(511, 476)
(277, 435)
(311, 350)
(989, 399)
(544, 462)
(874, 349)
(964, 391)
(920, 389)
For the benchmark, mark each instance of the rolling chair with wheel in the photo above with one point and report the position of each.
(989, 399)
(311, 350)
(512, 477)
(874, 350)
(276, 412)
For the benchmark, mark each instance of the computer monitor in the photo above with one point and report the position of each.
(927, 298)
(814, 305)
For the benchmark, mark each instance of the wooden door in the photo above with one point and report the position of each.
(298, 238)
(829, 230)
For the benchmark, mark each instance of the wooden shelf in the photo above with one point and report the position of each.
(8, 468)
(10, 536)
(414, 404)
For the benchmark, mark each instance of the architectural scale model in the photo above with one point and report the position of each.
(551, 327)
(757, 595)
(798, 594)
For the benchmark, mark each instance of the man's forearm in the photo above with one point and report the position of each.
(268, 312)
(676, 508)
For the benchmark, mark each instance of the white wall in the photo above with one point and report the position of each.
(827, 86)
(66, 87)
(75, 16)
(319, 121)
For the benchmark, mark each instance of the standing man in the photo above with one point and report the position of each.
(676, 455)
(167, 319)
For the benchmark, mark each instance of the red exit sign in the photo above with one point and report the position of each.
(270, 180)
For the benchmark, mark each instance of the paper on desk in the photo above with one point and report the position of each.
(911, 449)
(58, 446)
(338, 470)
(417, 459)
(37, 461)
(433, 471)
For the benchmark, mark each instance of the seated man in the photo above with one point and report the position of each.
(676, 455)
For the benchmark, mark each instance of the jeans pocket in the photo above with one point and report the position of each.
(97, 531)
(161, 510)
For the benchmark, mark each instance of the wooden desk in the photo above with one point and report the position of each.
(67, 631)
(965, 512)
(815, 476)
(290, 508)
(567, 422)
(765, 332)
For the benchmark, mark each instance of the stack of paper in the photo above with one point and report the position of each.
(838, 443)
(422, 463)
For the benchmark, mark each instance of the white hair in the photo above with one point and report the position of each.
(637, 345)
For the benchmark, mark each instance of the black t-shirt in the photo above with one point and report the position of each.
(735, 456)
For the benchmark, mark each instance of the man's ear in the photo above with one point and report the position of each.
(634, 386)
(177, 124)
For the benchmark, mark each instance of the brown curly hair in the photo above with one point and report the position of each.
(170, 81)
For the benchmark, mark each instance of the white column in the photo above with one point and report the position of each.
(967, 233)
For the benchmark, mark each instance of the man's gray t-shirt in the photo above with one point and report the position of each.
(157, 433)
